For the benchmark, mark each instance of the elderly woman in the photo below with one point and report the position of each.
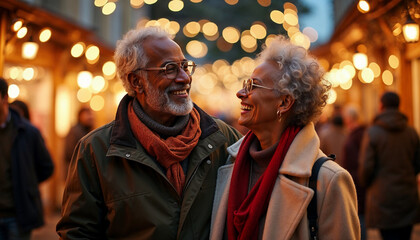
(265, 193)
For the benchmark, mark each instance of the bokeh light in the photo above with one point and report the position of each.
(393, 61)
(77, 49)
(277, 16)
(45, 35)
(231, 34)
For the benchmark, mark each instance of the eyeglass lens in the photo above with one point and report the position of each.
(247, 85)
(172, 69)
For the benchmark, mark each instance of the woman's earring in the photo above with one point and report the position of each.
(278, 115)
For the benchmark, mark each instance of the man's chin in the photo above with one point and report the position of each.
(181, 109)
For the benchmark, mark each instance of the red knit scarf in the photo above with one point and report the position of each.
(245, 210)
(171, 151)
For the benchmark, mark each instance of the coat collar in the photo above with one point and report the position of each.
(301, 155)
(122, 134)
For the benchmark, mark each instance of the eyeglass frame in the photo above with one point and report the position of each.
(178, 68)
(252, 85)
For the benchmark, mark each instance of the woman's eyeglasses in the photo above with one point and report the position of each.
(172, 69)
(249, 84)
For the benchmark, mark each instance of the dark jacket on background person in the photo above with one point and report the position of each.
(351, 152)
(74, 135)
(389, 164)
(122, 192)
(31, 164)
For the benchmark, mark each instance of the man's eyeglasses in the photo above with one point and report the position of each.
(172, 69)
(249, 84)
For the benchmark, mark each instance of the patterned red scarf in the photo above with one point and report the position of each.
(245, 210)
(168, 152)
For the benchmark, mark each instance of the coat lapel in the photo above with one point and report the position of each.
(290, 197)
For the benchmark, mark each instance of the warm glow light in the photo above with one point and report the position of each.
(45, 35)
(77, 49)
(264, 3)
(176, 5)
(231, 2)
(375, 68)
(350, 70)
(22, 32)
(258, 31)
(196, 1)
(29, 50)
(311, 33)
(109, 68)
(14, 72)
(100, 3)
(363, 6)
(150, 2)
(210, 29)
(98, 83)
(84, 78)
(92, 52)
(13, 91)
(136, 3)
(301, 39)
(196, 49)
(97, 103)
(191, 29)
(248, 43)
(332, 96)
(62, 111)
(17, 25)
(84, 95)
(277, 16)
(411, 32)
(393, 61)
(387, 77)
(28, 74)
(346, 85)
(367, 75)
(231, 34)
(269, 39)
(291, 19)
(172, 27)
(360, 60)
(109, 8)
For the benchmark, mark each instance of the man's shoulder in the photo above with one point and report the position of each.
(103, 132)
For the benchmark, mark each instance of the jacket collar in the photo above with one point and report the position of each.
(17, 120)
(301, 155)
(122, 134)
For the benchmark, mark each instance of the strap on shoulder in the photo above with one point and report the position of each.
(312, 207)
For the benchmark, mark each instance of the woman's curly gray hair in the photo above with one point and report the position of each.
(300, 76)
(130, 55)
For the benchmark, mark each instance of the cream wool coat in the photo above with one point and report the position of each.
(287, 210)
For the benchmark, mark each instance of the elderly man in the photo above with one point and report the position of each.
(151, 173)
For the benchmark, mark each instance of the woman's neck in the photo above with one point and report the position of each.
(269, 135)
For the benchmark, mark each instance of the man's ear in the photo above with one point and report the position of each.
(286, 102)
(135, 82)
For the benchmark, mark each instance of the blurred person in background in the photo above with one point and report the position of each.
(333, 135)
(264, 194)
(151, 173)
(22, 108)
(24, 163)
(390, 161)
(351, 150)
(85, 124)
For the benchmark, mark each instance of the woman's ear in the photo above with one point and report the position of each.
(135, 82)
(286, 102)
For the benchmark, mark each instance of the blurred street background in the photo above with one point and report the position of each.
(57, 56)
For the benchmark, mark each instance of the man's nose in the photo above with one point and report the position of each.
(183, 77)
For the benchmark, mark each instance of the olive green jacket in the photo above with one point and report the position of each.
(115, 190)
